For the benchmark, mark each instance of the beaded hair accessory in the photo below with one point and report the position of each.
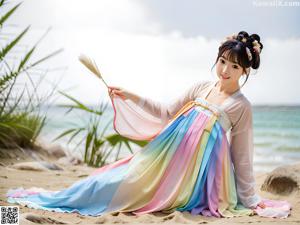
(249, 54)
(256, 46)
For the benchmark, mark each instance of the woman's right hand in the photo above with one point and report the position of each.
(118, 91)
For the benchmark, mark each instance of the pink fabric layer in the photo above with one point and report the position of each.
(274, 208)
(112, 165)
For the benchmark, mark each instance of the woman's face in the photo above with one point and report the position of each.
(227, 71)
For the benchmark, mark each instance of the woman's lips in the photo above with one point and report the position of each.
(224, 77)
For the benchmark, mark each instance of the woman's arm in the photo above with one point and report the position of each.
(241, 144)
(167, 111)
(157, 109)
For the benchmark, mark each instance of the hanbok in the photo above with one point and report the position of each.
(199, 158)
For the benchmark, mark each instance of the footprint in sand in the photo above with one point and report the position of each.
(115, 218)
(169, 217)
(146, 218)
(40, 219)
(177, 218)
(101, 220)
(115, 213)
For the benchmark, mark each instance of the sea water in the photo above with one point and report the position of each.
(276, 136)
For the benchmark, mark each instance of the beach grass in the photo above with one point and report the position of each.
(21, 120)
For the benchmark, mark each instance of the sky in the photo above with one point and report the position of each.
(159, 48)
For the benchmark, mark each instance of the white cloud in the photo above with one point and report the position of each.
(133, 53)
(278, 78)
(121, 15)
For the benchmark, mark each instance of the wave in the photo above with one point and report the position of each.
(288, 148)
(278, 134)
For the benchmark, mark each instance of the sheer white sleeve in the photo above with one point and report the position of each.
(241, 144)
(166, 112)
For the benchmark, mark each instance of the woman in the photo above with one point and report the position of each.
(188, 164)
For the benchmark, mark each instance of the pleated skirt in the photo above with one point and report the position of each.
(186, 167)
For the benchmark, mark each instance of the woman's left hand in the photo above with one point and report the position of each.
(261, 205)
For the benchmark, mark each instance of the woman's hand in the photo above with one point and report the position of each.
(118, 91)
(261, 205)
(124, 94)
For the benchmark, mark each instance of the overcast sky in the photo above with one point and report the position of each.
(158, 48)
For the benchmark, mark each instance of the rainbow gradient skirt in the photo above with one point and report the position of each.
(186, 166)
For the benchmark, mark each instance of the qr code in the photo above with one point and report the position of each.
(9, 215)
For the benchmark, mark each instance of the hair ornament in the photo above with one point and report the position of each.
(230, 37)
(256, 46)
(249, 53)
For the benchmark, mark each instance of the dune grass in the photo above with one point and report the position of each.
(21, 119)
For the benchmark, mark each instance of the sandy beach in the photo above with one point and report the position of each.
(12, 177)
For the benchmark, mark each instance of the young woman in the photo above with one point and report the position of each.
(233, 61)
(188, 164)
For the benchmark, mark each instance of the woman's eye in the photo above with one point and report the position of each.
(222, 61)
(235, 67)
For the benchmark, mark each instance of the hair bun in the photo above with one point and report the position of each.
(255, 37)
(252, 41)
(241, 35)
(255, 40)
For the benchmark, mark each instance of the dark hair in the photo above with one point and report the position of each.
(236, 48)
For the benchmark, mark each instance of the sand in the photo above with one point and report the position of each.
(11, 177)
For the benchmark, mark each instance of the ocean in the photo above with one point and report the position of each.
(276, 136)
(276, 133)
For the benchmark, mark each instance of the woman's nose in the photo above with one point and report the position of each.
(225, 69)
